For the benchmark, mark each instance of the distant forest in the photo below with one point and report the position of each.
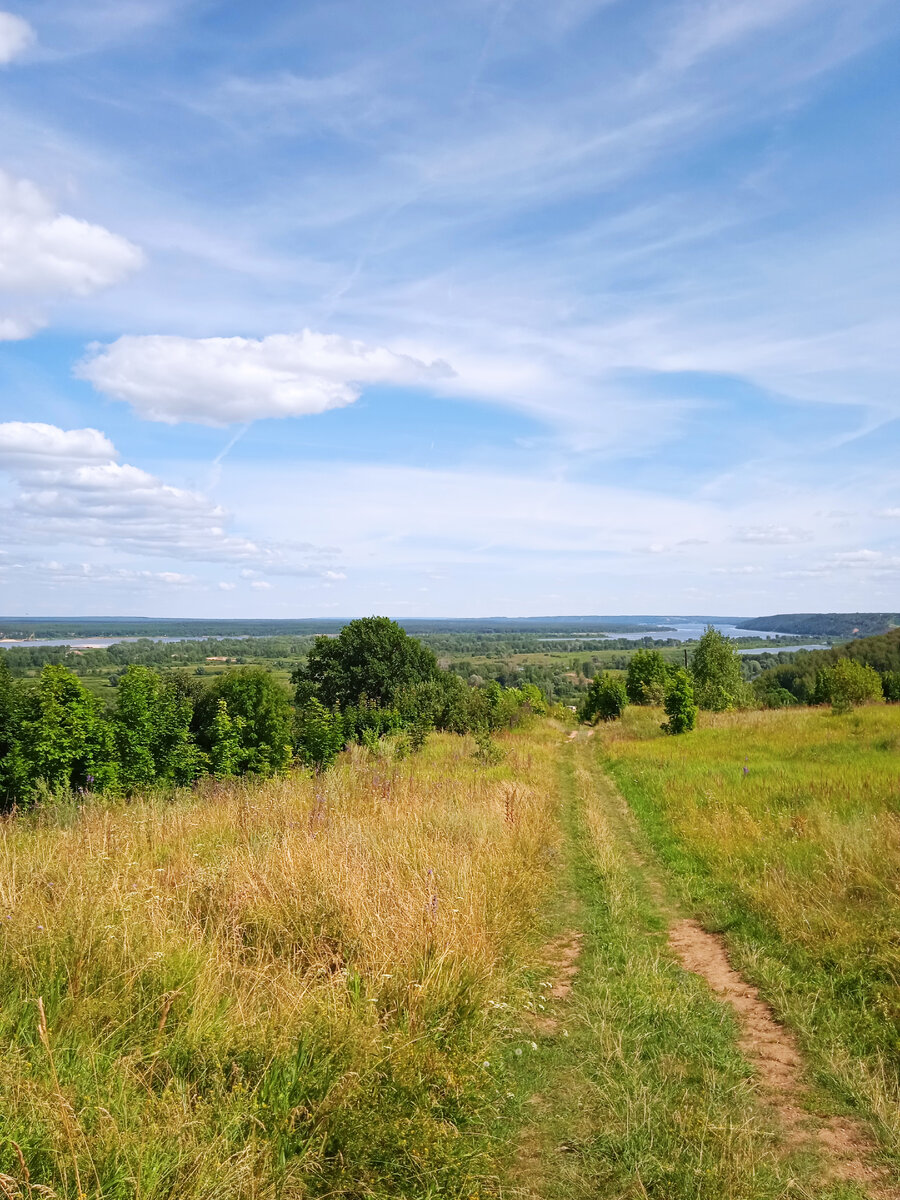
(826, 624)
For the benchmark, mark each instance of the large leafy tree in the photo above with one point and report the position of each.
(257, 722)
(372, 658)
(11, 766)
(716, 668)
(153, 729)
(66, 740)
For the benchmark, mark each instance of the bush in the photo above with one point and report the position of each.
(679, 703)
(255, 699)
(606, 699)
(849, 683)
(645, 682)
(890, 685)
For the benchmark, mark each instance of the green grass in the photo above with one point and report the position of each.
(286, 990)
(783, 830)
(648, 1095)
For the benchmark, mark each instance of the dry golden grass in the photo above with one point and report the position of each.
(270, 990)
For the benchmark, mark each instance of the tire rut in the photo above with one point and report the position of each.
(844, 1145)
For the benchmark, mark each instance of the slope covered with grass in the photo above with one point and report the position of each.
(784, 830)
(286, 989)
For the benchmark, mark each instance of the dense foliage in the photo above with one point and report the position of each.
(826, 624)
(605, 700)
(809, 678)
(171, 728)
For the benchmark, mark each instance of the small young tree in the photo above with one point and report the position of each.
(679, 703)
(646, 678)
(320, 735)
(225, 742)
(605, 700)
(716, 668)
(890, 685)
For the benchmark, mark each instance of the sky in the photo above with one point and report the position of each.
(490, 307)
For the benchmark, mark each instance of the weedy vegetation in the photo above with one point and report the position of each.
(782, 828)
(279, 989)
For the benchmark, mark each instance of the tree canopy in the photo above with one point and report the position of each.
(372, 659)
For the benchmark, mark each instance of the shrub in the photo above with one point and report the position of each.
(645, 682)
(849, 683)
(890, 685)
(605, 700)
(716, 668)
(679, 703)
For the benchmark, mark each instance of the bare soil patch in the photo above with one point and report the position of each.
(843, 1142)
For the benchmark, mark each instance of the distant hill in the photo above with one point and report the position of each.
(799, 675)
(826, 624)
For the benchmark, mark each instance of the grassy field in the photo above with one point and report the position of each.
(286, 990)
(350, 986)
(783, 830)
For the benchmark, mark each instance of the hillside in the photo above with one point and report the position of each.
(799, 676)
(825, 624)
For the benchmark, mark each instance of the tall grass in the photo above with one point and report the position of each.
(270, 991)
(784, 829)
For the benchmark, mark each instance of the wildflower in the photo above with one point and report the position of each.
(485, 1063)
(534, 1045)
(518, 1051)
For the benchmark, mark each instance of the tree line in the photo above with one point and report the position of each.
(862, 672)
(172, 728)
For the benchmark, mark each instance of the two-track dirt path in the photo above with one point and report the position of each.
(844, 1146)
(841, 1149)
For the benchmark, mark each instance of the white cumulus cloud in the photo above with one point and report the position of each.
(68, 489)
(45, 254)
(33, 444)
(16, 35)
(217, 381)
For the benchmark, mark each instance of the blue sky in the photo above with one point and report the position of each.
(493, 307)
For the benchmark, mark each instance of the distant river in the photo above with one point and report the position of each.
(687, 631)
(97, 643)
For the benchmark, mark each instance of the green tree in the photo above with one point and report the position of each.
(66, 740)
(372, 657)
(11, 764)
(256, 699)
(605, 699)
(646, 678)
(679, 703)
(890, 685)
(716, 668)
(849, 683)
(153, 729)
(225, 741)
(320, 735)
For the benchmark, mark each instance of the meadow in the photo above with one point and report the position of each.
(782, 829)
(282, 989)
(451, 974)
